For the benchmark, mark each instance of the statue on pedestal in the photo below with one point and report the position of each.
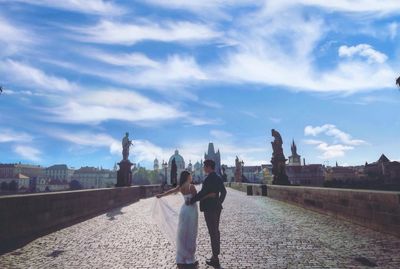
(124, 174)
(238, 170)
(278, 161)
(126, 143)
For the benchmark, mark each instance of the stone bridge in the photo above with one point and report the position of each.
(256, 232)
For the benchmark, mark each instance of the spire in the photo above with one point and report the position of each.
(211, 149)
(294, 148)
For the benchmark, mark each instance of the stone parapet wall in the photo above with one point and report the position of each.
(378, 210)
(25, 217)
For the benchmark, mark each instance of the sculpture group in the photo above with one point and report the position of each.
(278, 161)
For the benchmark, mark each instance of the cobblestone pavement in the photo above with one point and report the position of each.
(256, 232)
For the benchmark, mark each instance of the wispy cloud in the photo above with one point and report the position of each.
(363, 50)
(28, 152)
(110, 32)
(333, 131)
(13, 38)
(8, 135)
(93, 107)
(89, 139)
(259, 57)
(342, 142)
(83, 6)
(126, 59)
(34, 78)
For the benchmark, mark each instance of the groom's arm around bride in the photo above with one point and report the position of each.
(212, 206)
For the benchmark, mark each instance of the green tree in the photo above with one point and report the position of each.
(140, 177)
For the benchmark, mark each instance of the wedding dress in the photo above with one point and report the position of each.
(180, 229)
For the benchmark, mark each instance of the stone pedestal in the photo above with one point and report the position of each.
(124, 174)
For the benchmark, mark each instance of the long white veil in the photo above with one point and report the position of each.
(166, 217)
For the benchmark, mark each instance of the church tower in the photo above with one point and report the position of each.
(294, 159)
(156, 165)
(215, 156)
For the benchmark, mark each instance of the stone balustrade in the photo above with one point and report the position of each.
(378, 210)
(25, 217)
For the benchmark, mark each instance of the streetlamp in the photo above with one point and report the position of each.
(242, 164)
(165, 166)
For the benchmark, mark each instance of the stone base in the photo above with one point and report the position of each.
(281, 180)
(124, 174)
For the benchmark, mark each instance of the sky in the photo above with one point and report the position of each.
(78, 74)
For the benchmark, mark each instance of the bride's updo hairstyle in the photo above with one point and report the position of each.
(184, 177)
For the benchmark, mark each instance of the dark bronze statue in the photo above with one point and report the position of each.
(126, 143)
(398, 81)
(278, 161)
(124, 174)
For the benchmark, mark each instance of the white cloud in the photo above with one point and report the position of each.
(28, 152)
(393, 29)
(8, 135)
(333, 131)
(13, 38)
(26, 75)
(381, 7)
(126, 59)
(93, 107)
(333, 151)
(89, 139)
(171, 76)
(363, 50)
(109, 32)
(84, 6)
(176, 70)
(219, 134)
(342, 142)
(282, 54)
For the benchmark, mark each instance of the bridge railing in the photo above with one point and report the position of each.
(25, 217)
(378, 210)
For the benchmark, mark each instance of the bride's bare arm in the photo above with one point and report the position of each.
(171, 191)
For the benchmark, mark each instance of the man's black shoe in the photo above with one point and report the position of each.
(214, 263)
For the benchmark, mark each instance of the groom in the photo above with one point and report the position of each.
(212, 207)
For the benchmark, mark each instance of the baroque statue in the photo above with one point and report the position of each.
(278, 160)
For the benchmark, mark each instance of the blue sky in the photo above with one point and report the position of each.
(177, 74)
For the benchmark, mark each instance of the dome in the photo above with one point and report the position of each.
(197, 165)
(180, 162)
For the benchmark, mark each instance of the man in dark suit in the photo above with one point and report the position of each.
(212, 207)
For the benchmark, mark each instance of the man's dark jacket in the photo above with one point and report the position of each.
(212, 184)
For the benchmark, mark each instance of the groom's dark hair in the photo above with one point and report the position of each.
(209, 163)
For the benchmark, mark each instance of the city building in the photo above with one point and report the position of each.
(385, 170)
(17, 171)
(12, 170)
(340, 173)
(198, 173)
(306, 175)
(47, 184)
(59, 172)
(17, 183)
(93, 178)
(215, 156)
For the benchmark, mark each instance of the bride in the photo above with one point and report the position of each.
(188, 221)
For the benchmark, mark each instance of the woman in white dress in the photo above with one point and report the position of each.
(188, 221)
